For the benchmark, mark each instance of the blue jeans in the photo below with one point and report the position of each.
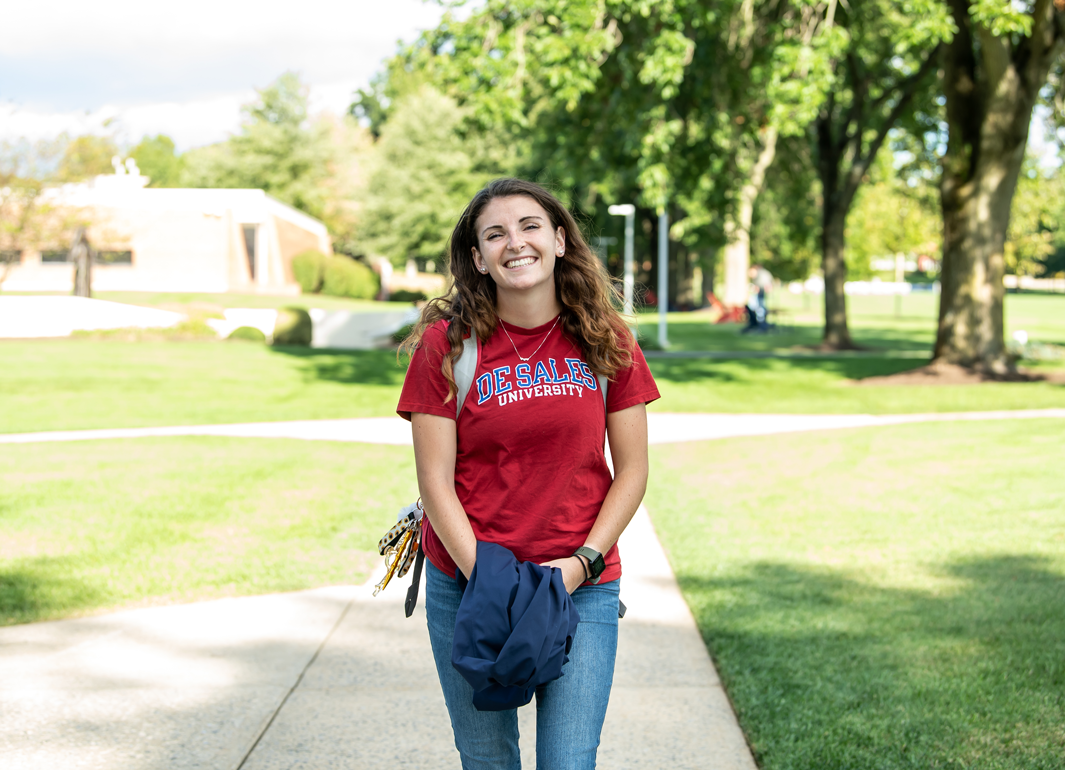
(569, 711)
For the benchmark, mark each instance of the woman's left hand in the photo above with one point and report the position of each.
(572, 571)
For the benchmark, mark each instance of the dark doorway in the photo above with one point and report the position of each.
(249, 247)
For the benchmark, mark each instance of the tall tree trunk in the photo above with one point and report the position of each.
(836, 335)
(975, 221)
(684, 288)
(836, 196)
(991, 84)
(737, 251)
(850, 130)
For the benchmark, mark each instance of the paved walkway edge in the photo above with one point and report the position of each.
(314, 679)
(663, 427)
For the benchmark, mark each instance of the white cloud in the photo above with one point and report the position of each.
(186, 69)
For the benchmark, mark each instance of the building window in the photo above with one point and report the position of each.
(113, 257)
(10, 256)
(54, 256)
(249, 247)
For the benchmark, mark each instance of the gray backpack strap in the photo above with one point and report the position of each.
(603, 382)
(465, 367)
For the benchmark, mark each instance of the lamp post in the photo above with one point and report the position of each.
(628, 211)
(663, 275)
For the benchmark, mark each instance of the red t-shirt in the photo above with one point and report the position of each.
(530, 468)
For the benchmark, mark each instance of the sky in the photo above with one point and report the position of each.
(134, 68)
(185, 69)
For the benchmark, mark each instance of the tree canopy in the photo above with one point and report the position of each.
(303, 161)
(419, 177)
(158, 160)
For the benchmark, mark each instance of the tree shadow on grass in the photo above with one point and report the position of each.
(688, 336)
(831, 672)
(349, 367)
(28, 595)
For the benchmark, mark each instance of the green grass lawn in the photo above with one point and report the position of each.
(872, 320)
(888, 598)
(204, 302)
(100, 383)
(828, 386)
(93, 526)
(86, 383)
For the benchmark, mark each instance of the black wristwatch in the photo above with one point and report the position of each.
(596, 563)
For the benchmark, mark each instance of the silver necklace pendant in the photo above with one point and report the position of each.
(525, 359)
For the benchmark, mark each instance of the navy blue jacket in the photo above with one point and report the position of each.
(514, 627)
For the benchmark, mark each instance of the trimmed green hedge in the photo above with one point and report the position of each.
(293, 327)
(344, 277)
(406, 295)
(308, 268)
(247, 333)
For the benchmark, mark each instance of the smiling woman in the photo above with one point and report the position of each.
(520, 464)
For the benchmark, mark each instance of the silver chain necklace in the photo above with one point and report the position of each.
(525, 359)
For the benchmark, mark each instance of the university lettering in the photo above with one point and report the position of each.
(536, 381)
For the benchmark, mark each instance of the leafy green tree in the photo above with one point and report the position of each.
(784, 231)
(679, 104)
(278, 149)
(1036, 233)
(420, 174)
(157, 159)
(890, 52)
(29, 218)
(674, 104)
(890, 216)
(86, 157)
(309, 163)
(999, 59)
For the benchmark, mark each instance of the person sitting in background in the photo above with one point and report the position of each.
(757, 311)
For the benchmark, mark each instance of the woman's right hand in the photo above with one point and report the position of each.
(434, 456)
(573, 574)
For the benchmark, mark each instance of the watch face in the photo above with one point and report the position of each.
(598, 566)
(596, 562)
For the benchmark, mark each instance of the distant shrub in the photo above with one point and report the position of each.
(405, 295)
(402, 333)
(293, 327)
(189, 329)
(646, 342)
(344, 277)
(248, 333)
(308, 268)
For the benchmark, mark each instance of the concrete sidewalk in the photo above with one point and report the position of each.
(662, 427)
(333, 678)
(330, 678)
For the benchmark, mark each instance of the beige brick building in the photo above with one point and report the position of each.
(186, 240)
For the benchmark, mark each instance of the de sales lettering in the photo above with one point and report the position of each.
(529, 382)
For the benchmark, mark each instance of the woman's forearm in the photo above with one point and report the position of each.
(627, 433)
(450, 524)
(434, 457)
(620, 505)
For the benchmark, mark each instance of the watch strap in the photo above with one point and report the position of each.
(596, 563)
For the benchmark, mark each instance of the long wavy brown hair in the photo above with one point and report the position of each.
(586, 292)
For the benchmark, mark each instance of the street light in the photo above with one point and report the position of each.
(628, 211)
(663, 275)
